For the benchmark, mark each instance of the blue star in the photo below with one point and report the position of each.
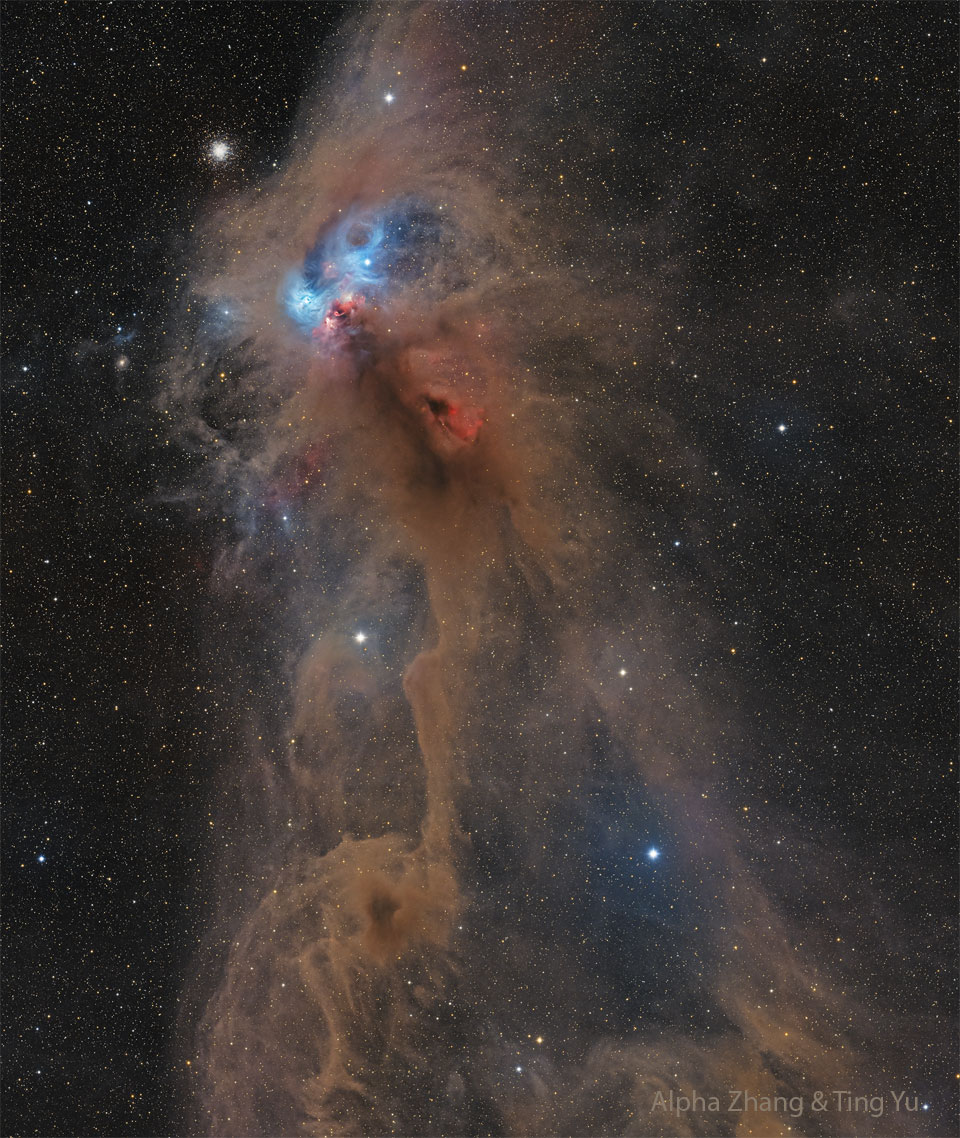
(653, 853)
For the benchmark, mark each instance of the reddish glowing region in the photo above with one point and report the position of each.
(340, 314)
(462, 422)
(296, 481)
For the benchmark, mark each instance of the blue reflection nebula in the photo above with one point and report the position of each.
(364, 254)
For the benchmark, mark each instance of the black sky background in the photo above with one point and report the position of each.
(840, 199)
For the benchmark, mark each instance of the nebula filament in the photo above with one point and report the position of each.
(485, 868)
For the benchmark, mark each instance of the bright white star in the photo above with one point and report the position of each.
(653, 853)
(360, 637)
(388, 97)
(219, 150)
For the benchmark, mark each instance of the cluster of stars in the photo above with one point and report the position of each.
(816, 255)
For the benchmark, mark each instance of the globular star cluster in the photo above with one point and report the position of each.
(484, 611)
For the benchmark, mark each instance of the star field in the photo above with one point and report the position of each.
(683, 277)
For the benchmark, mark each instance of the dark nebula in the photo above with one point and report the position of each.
(439, 832)
(545, 522)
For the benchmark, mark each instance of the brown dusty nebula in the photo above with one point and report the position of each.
(463, 714)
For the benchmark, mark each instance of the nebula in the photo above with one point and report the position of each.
(460, 715)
